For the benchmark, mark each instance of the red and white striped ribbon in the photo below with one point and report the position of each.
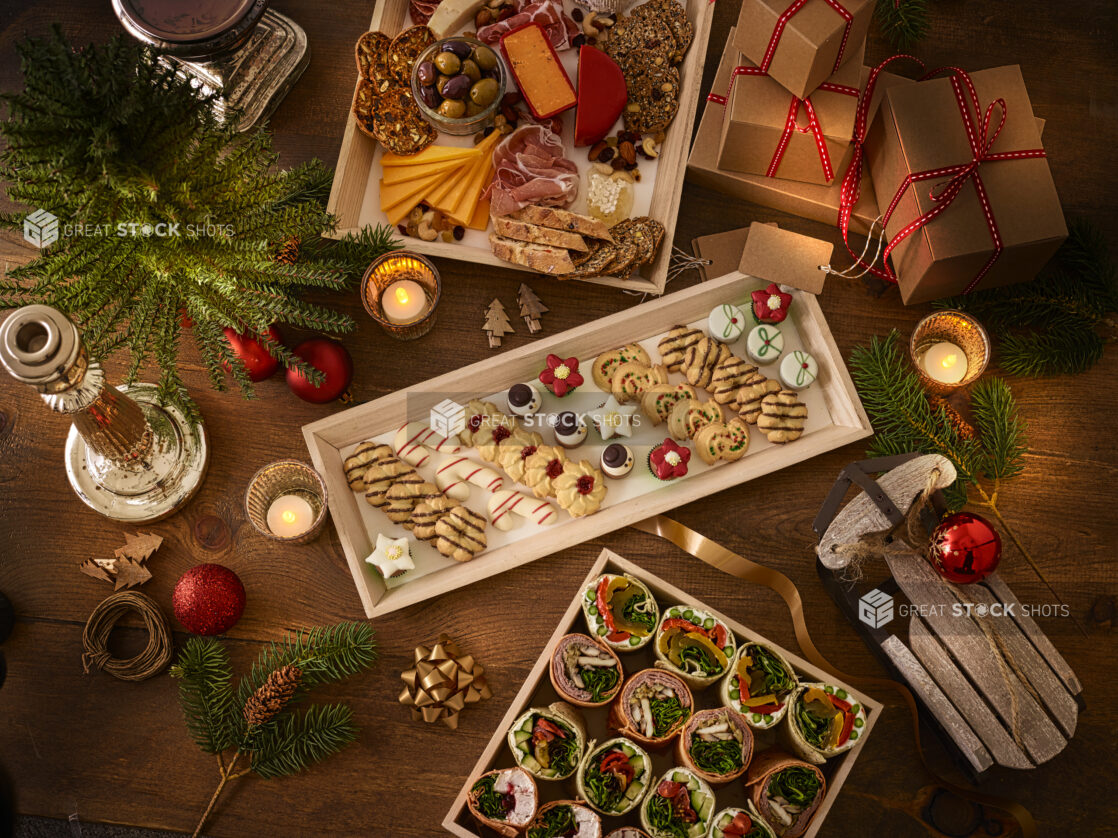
(789, 13)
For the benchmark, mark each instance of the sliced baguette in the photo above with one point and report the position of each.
(560, 219)
(534, 234)
(538, 257)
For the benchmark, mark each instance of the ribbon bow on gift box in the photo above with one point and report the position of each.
(788, 14)
(442, 682)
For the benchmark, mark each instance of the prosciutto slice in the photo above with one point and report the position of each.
(421, 10)
(549, 14)
(530, 169)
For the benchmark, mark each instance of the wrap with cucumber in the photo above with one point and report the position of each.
(785, 791)
(505, 800)
(620, 611)
(733, 822)
(694, 644)
(679, 806)
(758, 685)
(565, 819)
(716, 744)
(822, 721)
(548, 742)
(614, 776)
(585, 672)
(651, 708)
(627, 832)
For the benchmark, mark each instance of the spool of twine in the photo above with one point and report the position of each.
(95, 637)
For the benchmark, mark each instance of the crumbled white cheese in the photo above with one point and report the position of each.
(603, 193)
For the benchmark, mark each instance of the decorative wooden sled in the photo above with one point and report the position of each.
(993, 686)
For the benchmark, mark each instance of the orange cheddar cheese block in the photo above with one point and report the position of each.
(400, 174)
(431, 154)
(541, 78)
(393, 194)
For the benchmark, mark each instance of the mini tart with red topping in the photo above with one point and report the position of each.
(580, 489)
(620, 611)
(561, 375)
(669, 460)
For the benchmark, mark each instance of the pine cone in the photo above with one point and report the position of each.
(962, 427)
(288, 253)
(273, 695)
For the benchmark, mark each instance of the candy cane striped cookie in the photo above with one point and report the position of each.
(366, 454)
(675, 344)
(505, 506)
(381, 476)
(453, 473)
(415, 443)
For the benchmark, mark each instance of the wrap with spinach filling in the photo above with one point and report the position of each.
(585, 672)
(716, 744)
(787, 792)
(651, 708)
(548, 742)
(505, 800)
(680, 806)
(565, 819)
(620, 611)
(758, 684)
(733, 822)
(823, 721)
(614, 776)
(694, 644)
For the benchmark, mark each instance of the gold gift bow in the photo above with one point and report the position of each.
(442, 682)
(719, 557)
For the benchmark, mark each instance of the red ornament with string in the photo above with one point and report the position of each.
(257, 361)
(965, 548)
(331, 359)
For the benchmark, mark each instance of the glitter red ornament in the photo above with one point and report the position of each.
(258, 362)
(965, 548)
(330, 358)
(209, 599)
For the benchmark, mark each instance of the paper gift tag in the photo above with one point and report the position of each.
(722, 250)
(785, 258)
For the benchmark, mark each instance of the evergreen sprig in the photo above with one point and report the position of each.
(902, 22)
(107, 136)
(905, 420)
(288, 741)
(1051, 326)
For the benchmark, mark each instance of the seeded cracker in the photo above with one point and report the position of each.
(675, 16)
(653, 100)
(365, 106)
(592, 267)
(647, 234)
(625, 260)
(639, 43)
(398, 125)
(405, 51)
(372, 55)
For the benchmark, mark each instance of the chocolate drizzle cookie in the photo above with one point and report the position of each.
(700, 360)
(674, 346)
(749, 396)
(366, 455)
(460, 534)
(782, 417)
(728, 377)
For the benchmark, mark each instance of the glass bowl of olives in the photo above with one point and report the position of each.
(459, 83)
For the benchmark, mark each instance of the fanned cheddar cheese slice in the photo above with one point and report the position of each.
(401, 174)
(480, 221)
(431, 154)
(463, 211)
(441, 195)
(393, 194)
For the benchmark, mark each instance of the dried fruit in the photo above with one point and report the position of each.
(596, 150)
(484, 17)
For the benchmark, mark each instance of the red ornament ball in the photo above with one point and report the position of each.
(965, 548)
(209, 599)
(330, 358)
(258, 363)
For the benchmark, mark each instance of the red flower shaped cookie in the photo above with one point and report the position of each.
(770, 305)
(561, 376)
(668, 460)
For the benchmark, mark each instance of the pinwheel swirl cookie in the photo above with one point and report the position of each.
(687, 417)
(606, 364)
(580, 489)
(722, 441)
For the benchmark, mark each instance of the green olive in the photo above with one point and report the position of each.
(452, 108)
(473, 109)
(448, 63)
(484, 92)
(470, 69)
(485, 58)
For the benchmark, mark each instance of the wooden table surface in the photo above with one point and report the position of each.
(119, 752)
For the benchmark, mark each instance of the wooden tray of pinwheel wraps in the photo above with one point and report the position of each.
(835, 418)
(355, 195)
(538, 692)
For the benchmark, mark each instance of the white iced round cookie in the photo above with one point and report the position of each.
(726, 323)
(798, 370)
(765, 343)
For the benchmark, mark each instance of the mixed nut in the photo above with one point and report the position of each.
(622, 151)
(429, 224)
(459, 80)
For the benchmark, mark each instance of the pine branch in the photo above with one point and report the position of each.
(902, 22)
(297, 740)
(1001, 429)
(206, 695)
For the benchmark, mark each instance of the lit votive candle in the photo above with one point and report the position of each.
(945, 362)
(403, 301)
(290, 516)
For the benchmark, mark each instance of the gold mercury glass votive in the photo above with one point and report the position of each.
(395, 271)
(283, 480)
(932, 349)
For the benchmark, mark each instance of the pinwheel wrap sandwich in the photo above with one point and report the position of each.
(822, 721)
(548, 742)
(758, 685)
(694, 644)
(651, 708)
(679, 806)
(565, 819)
(505, 800)
(585, 672)
(787, 792)
(627, 832)
(733, 822)
(716, 744)
(620, 611)
(614, 776)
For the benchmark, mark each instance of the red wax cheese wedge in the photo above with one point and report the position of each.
(541, 78)
(601, 95)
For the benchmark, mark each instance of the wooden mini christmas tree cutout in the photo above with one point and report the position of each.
(531, 308)
(127, 569)
(496, 323)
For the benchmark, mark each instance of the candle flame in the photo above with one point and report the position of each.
(288, 517)
(949, 361)
(402, 296)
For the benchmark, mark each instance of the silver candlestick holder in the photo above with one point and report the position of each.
(241, 49)
(128, 456)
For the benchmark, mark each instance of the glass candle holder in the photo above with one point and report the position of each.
(286, 502)
(401, 290)
(949, 350)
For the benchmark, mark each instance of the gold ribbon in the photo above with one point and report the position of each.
(719, 557)
(442, 682)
